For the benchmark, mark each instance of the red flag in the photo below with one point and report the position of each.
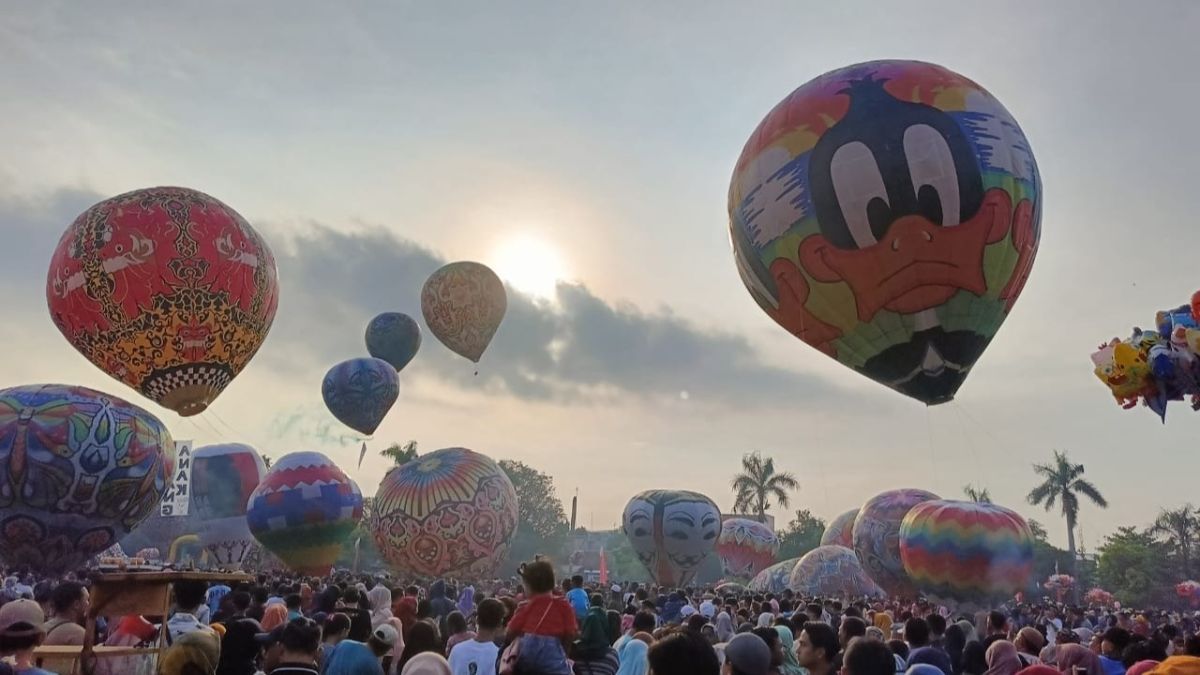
(603, 567)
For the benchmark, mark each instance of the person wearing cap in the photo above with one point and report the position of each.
(356, 658)
(21, 632)
(746, 654)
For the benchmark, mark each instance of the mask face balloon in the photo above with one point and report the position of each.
(672, 532)
(888, 214)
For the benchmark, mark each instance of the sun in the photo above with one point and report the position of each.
(531, 265)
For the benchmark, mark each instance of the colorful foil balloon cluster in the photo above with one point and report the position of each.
(1190, 591)
(1098, 596)
(1155, 366)
(1059, 583)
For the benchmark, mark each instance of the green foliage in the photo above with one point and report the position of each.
(400, 454)
(977, 495)
(758, 484)
(542, 527)
(623, 563)
(1063, 482)
(1133, 566)
(802, 535)
(369, 559)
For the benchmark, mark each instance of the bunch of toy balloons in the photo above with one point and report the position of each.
(1158, 365)
(1190, 591)
(1098, 596)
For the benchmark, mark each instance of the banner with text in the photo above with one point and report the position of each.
(179, 491)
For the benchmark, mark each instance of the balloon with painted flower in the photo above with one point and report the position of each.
(167, 290)
(888, 214)
(79, 469)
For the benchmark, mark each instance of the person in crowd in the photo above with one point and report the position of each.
(868, 657)
(634, 656)
(592, 652)
(1029, 644)
(1002, 658)
(1073, 659)
(578, 597)
(427, 663)
(788, 665)
(298, 647)
(643, 622)
(1112, 645)
(240, 648)
(771, 638)
(683, 654)
(747, 654)
(191, 610)
(916, 634)
(545, 623)
(852, 627)
(457, 630)
(424, 637)
(478, 655)
(974, 660)
(335, 630)
(380, 599)
(22, 631)
(816, 648)
(196, 652)
(360, 617)
(357, 658)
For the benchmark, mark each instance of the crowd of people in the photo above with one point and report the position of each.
(532, 625)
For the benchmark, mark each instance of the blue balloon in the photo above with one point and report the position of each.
(393, 337)
(360, 392)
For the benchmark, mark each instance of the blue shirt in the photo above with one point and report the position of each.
(579, 602)
(1112, 666)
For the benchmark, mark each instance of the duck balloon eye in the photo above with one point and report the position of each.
(888, 214)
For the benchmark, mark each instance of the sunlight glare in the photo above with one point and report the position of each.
(530, 264)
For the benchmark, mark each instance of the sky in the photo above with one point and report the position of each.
(593, 143)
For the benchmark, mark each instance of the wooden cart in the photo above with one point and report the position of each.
(120, 594)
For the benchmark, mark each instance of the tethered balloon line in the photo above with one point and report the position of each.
(968, 439)
(932, 455)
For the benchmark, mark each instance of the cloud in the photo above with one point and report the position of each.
(578, 349)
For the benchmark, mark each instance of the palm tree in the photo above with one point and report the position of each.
(267, 460)
(1180, 529)
(979, 496)
(1064, 483)
(400, 454)
(758, 484)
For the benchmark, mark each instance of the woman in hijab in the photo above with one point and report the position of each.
(954, 640)
(634, 659)
(423, 637)
(765, 620)
(593, 652)
(974, 659)
(968, 629)
(194, 653)
(923, 669)
(405, 609)
(273, 617)
(427, 663)
(466, 601)
(1002, 658)
(724, 627)
(1071, 657)
(380, 598)
(790, 665)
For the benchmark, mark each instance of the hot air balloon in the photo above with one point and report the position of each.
(360, 392)
(303, 511)
(176, 537)
(841, 530)
(393, 337)
(463, 304)
(832, 571)
(966, 552)
(672, 532)
(877, 537)
(888, 214)
(166, 289)
(79, 469)
(223, 478)
(773, 579)
(744, 547)
(449, 512)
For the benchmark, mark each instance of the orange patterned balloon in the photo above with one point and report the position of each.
(449, 512)
(166, 289)
(463, 304)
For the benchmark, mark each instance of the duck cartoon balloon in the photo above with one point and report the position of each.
(888, 214)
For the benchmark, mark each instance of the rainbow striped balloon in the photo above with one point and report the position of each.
(304, 510)
(965, 551)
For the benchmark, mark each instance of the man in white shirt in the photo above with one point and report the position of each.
(479, 656)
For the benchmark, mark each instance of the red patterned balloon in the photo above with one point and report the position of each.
(745, 547)
(166, 289)
(450, 512)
